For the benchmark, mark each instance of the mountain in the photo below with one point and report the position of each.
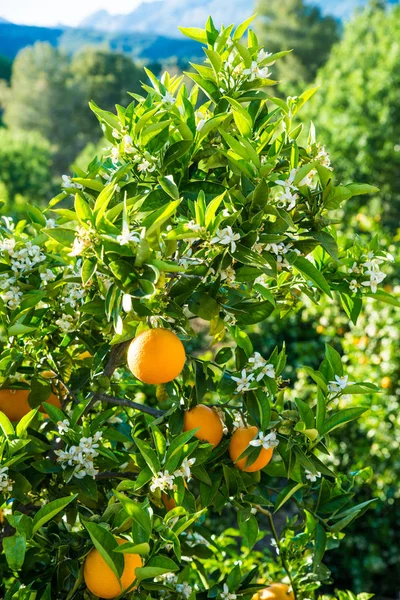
(142, 46)
(164, 16)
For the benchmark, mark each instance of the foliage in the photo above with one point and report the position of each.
(25, 167)
(5, 68)
(357, 111)
(49, 94)
(301, 27)
(214, 214)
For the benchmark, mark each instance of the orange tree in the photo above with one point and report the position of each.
(135, 442)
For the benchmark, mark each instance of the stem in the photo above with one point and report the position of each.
(285, 564)
(116, 355)
(112, 475)
(154, 412)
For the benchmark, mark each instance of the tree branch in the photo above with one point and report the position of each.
(154, 412)
(113, 475)
(116, 355)
(285, 564)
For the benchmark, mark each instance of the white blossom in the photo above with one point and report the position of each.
(354, 286)
(63, 426)
(81, 457)
(312, 476)
(262, 55)
(162, 481)
(65, 323)
(6, 484)
(127, 236)
(288, 197)
(226, 237)
(266, 371)
(50, 223)
(184, 470)
(266, 441)
(47, 276)
(256, 72)
(183, 589)
(243, 382)
(68, 183)
(226, 594)
(168, 98)
(339, 384)
(228, 275)
(257, 360)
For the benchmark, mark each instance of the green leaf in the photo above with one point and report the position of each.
(89, 268)
(176, 150)
(285, 494)
(306, 414)
(105, 542)
(50, 510)
(20, 329)
(155, 220)
(169, 187)
(241, 29)
(203, 306)
(130, 548)
(82, 209)
(158, 565)
(195, 33)
(319, 545)
(5, 425)
(334, 359)
(148, 454)
(307, 268)
(65, 237)
(143, 529)
(102, 202)
(24, 423)
(14, 547)
(342, 417)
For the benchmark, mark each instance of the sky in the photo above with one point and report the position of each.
(55, 12)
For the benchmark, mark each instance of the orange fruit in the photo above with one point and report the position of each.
(386, 382)
(14, 403)
(156, 356)
(168, 502)
(208, 423)
(276, 591)
(100, 579)
(240, 440)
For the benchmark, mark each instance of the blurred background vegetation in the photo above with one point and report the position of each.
(46, 128)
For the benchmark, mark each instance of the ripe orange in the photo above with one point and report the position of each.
(169, 503)
(14, 403)
(238, 444)
(208, 422)
(156, 356)
(100, 579)
(386, 382)
(276, 591)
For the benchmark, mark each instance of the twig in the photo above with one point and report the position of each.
(285, 565)
(154, 412)
(116, 355)
(113, 475)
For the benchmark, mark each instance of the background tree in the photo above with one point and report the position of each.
(294, 24)
(104, 77)
(357, 109)
(42, 99)
(25, 168)
(49, 95)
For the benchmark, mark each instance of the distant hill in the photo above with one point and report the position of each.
(142, 46)
(164, 16)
